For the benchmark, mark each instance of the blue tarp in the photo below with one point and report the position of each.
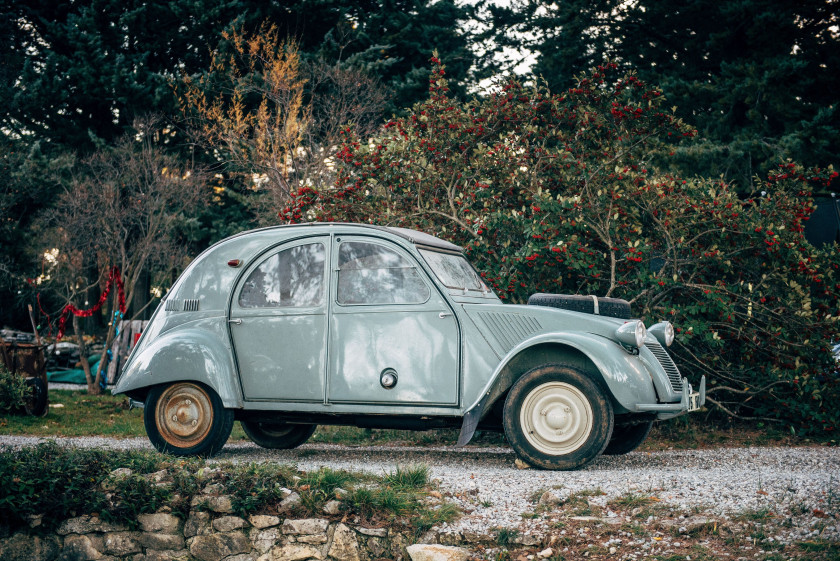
(74, 376)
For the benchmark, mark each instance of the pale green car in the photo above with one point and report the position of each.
(288, 327)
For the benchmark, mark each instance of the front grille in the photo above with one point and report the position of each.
(667, 364)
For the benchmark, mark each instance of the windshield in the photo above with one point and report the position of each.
(454, 271)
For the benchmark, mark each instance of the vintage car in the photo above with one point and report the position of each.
(288, 327)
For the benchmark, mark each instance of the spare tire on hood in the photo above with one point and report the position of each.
(612, 307)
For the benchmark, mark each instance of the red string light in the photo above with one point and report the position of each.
(113, 277)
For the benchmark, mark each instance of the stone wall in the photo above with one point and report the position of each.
(211, 532)
(207, 536)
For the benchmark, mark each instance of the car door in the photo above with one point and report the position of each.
(278, 322)
(393, 338)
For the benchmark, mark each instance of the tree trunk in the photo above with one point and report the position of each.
(114, 320)
(92, 387)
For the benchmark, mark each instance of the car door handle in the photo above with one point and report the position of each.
(235, 321)
(444, 315)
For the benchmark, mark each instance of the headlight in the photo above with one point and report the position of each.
(664, 332)
(632, 333)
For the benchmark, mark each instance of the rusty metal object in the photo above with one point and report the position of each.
(184, 415)
(27, 360)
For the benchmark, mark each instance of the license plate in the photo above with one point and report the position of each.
(694, 401)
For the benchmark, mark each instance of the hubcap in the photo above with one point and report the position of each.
(556, 418)
(184, 415)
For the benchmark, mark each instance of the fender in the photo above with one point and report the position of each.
(625, 376)
(200, 353)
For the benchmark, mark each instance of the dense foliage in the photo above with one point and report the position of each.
(13, 391)
(555, 193)
(118, 485)
(757, 77)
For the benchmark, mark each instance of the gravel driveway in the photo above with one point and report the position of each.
(802, 484)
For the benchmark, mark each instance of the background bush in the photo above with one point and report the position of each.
(558, 193)
(13, 391)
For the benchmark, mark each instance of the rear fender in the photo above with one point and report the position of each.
(623, 377)
(196, 355)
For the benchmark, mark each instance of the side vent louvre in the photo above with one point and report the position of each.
(509, 329)
(191, 305)
(173, 305)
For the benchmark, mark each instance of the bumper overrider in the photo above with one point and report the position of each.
(690, 401)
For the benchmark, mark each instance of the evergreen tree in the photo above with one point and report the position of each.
(759, 78)
(79, 73)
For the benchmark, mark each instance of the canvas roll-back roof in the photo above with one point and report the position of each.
(414, 236)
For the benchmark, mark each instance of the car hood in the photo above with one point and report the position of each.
(506, 325)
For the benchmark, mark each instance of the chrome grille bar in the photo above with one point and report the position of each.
(667, 364)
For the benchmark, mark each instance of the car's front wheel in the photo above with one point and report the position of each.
(186, 419)
(277, 435)
(556, 417)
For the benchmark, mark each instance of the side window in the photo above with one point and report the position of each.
(292, 278)
(372, 274)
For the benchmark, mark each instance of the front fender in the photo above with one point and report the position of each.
(625, 376)
(184, 354)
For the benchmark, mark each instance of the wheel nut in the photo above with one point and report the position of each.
(194, 423)
(544, 412)
(567, 409)
(189, 402)
(175, 418)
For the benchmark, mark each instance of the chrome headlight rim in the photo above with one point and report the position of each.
(664, 333)
(632, 333)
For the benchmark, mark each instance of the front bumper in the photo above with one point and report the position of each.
(690, 401)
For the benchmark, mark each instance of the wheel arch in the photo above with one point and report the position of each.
(183, 355)
(599, 358)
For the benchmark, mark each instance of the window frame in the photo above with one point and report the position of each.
(388, 245)
(270, 253)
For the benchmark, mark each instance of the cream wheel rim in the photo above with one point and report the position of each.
(556, 418)
(184, 415)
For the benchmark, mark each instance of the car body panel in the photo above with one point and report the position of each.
(197, 351)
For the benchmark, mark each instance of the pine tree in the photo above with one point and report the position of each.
(758, 78)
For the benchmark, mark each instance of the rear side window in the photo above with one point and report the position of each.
(373, 274)
(292, 278)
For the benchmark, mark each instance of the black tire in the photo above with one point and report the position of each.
(282, 436)
(611, 307)
(578, 418)
(626, 438)
(36, 401)
(186, 419)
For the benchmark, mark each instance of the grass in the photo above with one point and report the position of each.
(505, 536)
(755, 515)
(399, 498)
(75, 413)
(632, 500)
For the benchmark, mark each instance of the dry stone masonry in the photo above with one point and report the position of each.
(207, 536)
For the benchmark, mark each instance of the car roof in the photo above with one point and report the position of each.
(414, 236)
(421, 238)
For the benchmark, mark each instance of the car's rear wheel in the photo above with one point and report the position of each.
(626, 438)
(277, 435)
(556, 417)
(187, 419)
